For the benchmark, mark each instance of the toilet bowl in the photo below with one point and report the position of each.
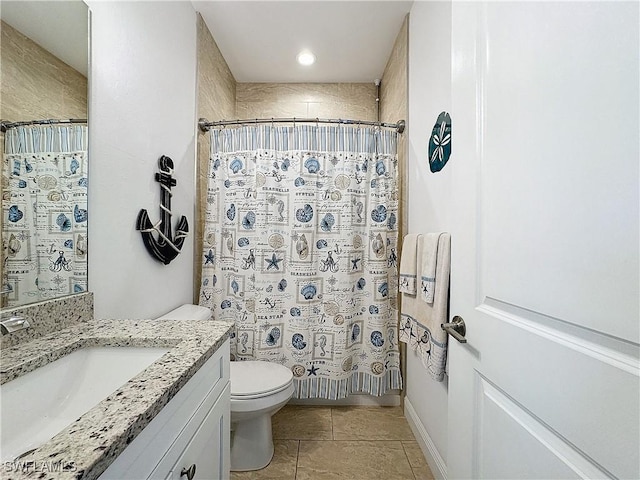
(258, 390)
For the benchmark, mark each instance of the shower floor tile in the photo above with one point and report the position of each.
(355, 443)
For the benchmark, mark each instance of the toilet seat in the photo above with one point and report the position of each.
(257, 379)
(260, 395)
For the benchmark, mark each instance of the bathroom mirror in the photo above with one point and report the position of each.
(43, 104)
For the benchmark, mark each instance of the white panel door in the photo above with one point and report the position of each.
(545, 244)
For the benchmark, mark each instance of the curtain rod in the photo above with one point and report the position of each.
(205, 125)
(4, 125)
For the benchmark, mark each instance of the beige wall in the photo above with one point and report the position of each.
(314, 100)
(216, 101)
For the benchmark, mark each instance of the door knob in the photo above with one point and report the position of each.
(189, 472)
(457, 329)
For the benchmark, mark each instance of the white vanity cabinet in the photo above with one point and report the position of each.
(189, 438)
(201, 457)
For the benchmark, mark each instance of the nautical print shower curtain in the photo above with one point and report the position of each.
(300, 250)
(44, 212)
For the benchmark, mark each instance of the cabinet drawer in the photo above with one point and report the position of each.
(184, 413)
(207, 451)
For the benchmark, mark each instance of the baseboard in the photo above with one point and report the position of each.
(364, 400)
(434, 459)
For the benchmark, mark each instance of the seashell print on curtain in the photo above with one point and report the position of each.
(44, 212)
(300, 250)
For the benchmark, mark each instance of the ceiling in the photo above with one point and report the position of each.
(352, 40)
(259, 40)
(67, 37)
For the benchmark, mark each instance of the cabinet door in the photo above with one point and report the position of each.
(208, 449)
(167, 435)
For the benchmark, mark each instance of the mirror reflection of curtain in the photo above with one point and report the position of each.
(44, 212)
(300, 247)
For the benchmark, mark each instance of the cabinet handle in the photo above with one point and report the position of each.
(189, 472)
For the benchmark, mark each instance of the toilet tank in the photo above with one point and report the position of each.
(187, 312)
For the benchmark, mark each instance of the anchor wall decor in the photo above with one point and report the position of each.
(166, 247)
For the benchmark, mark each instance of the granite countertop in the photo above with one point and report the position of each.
(94, 440)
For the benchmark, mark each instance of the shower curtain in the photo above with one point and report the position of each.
(44, 207)
(300, 250)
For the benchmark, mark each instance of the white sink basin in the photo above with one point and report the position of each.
(41, 403)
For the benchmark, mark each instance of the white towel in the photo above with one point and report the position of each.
(420, 322)
(409, 265)
(427, 268)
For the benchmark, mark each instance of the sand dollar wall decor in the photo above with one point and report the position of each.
(440, 143)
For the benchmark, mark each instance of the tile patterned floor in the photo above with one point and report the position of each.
(348, 443)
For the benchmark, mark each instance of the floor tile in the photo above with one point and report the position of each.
(416, 459)
(282, 467)
(295, 422)
(370, 423)
(353, 460)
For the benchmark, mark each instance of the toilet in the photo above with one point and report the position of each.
(258, 390)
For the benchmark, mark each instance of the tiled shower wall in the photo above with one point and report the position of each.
(36, 85)
(221, 97)
(393, 106)
(216, 101)
(312, 100)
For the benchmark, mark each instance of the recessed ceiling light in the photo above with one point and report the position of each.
(306, 58)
